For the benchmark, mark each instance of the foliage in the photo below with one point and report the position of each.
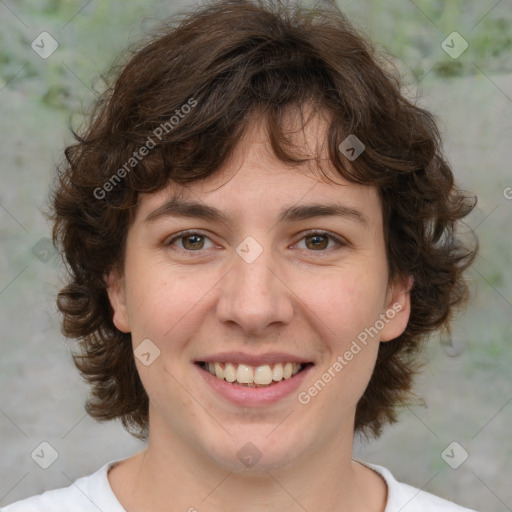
(92, 35)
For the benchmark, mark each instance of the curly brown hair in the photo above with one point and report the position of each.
(227, 60)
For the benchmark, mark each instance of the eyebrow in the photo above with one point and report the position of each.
(179, 208)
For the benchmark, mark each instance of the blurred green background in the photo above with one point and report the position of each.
(467, 385)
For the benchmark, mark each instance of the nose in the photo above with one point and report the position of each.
(255, 296)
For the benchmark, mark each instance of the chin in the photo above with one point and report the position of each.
(253, 451)
(249, 460)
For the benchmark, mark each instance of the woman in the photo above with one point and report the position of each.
(260, 232)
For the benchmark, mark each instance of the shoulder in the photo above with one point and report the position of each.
(87, 494)
(56, 500)
(406, 498)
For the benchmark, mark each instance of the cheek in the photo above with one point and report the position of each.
(346, 315)
(346, 303)
(164, 307)
(150, 301)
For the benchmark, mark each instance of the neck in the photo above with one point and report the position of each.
(171, 475)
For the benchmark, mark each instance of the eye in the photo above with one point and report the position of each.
(319, 240)
(192, 241)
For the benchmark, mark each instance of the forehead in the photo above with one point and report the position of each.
(255, 182)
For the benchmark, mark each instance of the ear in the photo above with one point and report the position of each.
(398, 308)
(117, 296)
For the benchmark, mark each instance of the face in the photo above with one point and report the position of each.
(281, 267)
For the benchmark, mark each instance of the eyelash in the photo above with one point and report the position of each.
(339, 241)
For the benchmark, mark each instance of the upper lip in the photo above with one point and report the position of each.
(253, 360)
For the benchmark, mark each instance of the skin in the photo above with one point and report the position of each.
(198, 296)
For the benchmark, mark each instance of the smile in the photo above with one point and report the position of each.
(252, 376)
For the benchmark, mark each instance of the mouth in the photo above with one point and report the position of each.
(244, 375)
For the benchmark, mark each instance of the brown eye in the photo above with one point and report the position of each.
(193, 242)
(190, 241)
(317, 241)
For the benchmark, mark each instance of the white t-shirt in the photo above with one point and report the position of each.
(92, 493)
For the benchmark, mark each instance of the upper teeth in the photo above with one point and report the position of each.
(246, 374)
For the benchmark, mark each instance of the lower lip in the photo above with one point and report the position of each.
(254, 397)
